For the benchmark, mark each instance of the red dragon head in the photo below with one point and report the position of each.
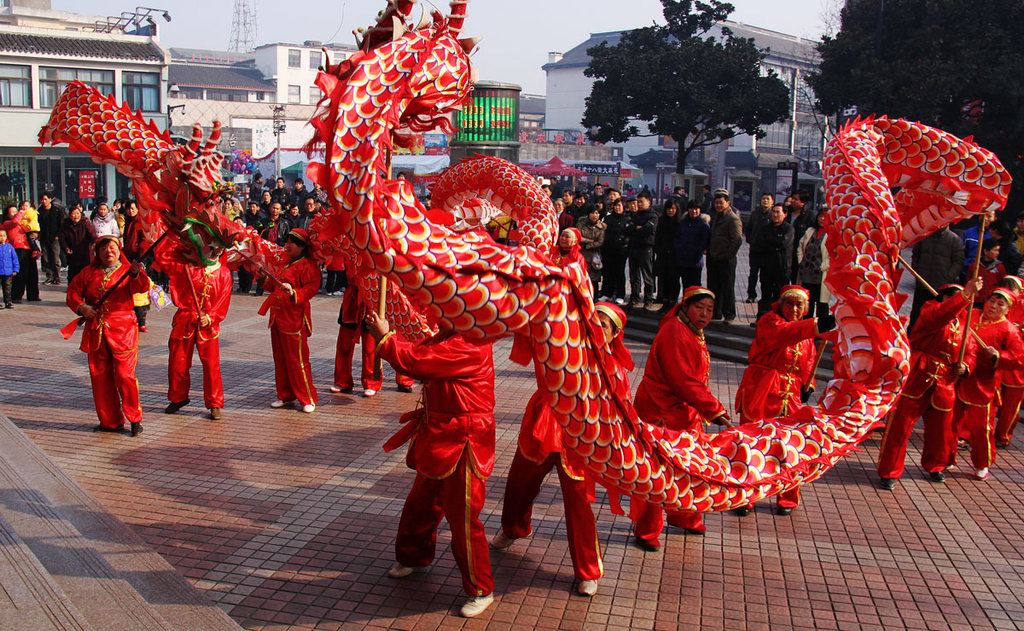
(179, 184)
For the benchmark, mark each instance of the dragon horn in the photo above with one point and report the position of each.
(214, 139)
(191, 150)
(457, 16)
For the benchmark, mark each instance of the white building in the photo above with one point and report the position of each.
(41, 51)
(746, 165)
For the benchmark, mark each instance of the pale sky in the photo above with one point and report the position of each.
(516, 35)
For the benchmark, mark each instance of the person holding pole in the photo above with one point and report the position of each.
(290, 323)
(779, 377)
(102, 295)
(202, 295)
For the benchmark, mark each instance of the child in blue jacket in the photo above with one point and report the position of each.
(8, 267)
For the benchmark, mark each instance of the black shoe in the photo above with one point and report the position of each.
(8, 306)
(172, 408)
(751, 301)
(645, 545)
(113, 430)
(887, 484)
(405, 389)
(35, 299)
(742, 511)
(782, 511)
(938, 476)
(136, 429)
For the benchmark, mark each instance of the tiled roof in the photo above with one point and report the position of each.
(779, 44)
(80, 47)
(232, 77)
(204, 56)
(531, 104)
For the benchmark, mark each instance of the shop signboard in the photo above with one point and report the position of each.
(86, 184)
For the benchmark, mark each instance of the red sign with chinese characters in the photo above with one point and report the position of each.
(86, 184)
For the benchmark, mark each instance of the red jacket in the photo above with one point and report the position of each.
(212, 288)
(116, 318)
(990, 276)
(458, 404)
(981, 386)
(779, 367)
(1014, 377)
(934, 347)
(291, 314)
(15, 233)
(674, 390)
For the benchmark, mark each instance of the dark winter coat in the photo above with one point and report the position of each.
(78, 238)
(939, 257)
(773, 248)
(726, 235)
(615, 237)
(640, 229)
(691, 241)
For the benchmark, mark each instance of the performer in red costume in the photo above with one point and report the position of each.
(290, 323)
(452, 453)
(1012, 394)
(930, 389)
(779, 378)
(674, 393)
(976, 393)
(111, 335)
(203, 295)
(351, 331)
(539, 451)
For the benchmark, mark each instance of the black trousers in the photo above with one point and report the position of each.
(921, 296)
(691, 276)
(669, 276)
(5, 282)
(641, 275)
(772, 281)
(613, 283)
(73, 270)
(336, 281)
(26, 283)
(244, 280)
(755, 267)
(722, 281)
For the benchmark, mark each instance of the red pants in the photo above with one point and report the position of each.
(1009, 413)
(115, 390)
(180, 363)
(938, 436)
(428, 501)
(524, 480)
(343, 361)
(649, 520)
(977, 423)
(292, 372)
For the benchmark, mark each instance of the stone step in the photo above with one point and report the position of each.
(106, 575)
(30, 598)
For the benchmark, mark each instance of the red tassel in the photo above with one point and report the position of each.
(69, 329)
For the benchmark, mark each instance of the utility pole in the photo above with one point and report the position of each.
(280, 125)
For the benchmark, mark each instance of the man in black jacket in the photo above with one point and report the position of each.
(256, 188)
(280, 194)
(757, 220)
(51, 220)
(773, 248)
(614, 253)
(801, 217)
(726, 239)
(641, 227)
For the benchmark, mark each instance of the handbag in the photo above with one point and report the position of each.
(596, 263)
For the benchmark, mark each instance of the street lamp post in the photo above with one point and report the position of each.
(279, 127)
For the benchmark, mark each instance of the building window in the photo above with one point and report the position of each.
(294, 94)
(314, 95)
(141, 90)
(294, 58)
(777, 136)
(227, 95)
(15, 86)
(314, 59)
(261, 96)
(190, 93)
(52, 82)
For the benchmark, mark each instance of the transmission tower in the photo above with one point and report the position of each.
(243, 27)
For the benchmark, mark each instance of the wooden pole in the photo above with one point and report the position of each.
(382, 300)
(974, 278)
(932, 291)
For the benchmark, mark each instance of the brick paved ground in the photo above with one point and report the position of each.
(288, 520)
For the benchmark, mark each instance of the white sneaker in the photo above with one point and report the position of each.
(369, 393)
(401, 571)
(501, 541)
(278, 404)
(981, 474)
(476, 605)
(602, 299)
(587, 588)
(335, 389)
(620, 301)
(309, 408)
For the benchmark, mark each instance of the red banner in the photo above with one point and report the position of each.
(86, 184)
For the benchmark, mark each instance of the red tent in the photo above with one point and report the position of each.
(556, 167)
